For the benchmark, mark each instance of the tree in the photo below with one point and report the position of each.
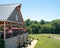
(35, 28)
(27, 22)
(29, 30)
(56, 24)
(46, 28)
(42, 22)
(35, 22)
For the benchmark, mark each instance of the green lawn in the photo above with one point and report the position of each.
(45, 42)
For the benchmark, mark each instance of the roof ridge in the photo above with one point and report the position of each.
(9, 4)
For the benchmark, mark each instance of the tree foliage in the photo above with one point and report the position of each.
(56, 24)
(36, 27)
(42, 22)
(27, 22)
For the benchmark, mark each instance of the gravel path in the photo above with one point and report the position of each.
(56, 38)
(33, 43)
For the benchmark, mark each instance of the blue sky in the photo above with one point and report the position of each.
(38, 9)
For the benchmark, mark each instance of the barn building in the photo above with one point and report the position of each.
(12, 28)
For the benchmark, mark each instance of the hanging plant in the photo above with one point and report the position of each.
(1, 29)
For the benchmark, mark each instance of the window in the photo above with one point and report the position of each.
(16, 17)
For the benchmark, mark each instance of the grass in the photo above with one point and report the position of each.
(45, 42)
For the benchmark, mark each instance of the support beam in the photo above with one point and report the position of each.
(11, 25)
(4, 30)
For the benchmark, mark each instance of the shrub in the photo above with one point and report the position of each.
(2, 44)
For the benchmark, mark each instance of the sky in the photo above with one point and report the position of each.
(47, 10)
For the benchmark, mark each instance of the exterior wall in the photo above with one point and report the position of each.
(25, 37)
(11, 42)
(23, 40)
(12, 17)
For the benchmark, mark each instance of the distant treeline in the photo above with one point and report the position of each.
(35, 27)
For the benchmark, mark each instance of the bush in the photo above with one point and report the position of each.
(2, 44)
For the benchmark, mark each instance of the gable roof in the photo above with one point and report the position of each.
(6, 10)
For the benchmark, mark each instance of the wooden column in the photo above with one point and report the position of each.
(4, 30)
(11, 25)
